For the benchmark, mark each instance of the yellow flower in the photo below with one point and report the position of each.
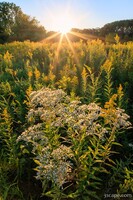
(29, 74)
(37, 73)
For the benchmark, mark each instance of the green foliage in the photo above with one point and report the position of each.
(92, 86)
(8, 12)
(127, 185)
(8, 157)
(108, 81)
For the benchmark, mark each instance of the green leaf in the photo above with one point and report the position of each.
(98, 161)
(37, 162)
(92, 194)
(116, 143)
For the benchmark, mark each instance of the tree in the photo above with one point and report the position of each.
(15, 25)
(124, 28)
(8, 13)
(27, 28)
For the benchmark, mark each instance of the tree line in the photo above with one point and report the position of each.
(123, 28)
(17, 26)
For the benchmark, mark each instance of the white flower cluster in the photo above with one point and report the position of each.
(122, 119)
(53, 108)
(54, 165)
(56, 108)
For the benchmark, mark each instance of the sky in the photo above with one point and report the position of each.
(53, 14)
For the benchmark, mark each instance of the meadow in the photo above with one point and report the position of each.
(66, 113)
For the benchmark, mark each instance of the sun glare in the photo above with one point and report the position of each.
(62, 20)
(64, 29)
(63, 24)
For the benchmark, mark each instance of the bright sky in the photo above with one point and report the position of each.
(76, 13)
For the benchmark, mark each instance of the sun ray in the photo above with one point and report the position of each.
(72, 49)
(59, 46)
(56, 57)
(83, 36)
(54, 35)
(61, 18)
(86, 36)
(79, 35)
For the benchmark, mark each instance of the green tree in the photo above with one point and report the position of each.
(8, 13)
(15, 25)
(124, 29)
(27, 28)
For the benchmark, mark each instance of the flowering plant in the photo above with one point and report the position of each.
(71, 141)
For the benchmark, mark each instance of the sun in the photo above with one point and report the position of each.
(64, 29)
(61, 20)
(63, 24)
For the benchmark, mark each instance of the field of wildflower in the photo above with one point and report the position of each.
(66, 120)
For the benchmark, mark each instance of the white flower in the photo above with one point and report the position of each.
(51, 111)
